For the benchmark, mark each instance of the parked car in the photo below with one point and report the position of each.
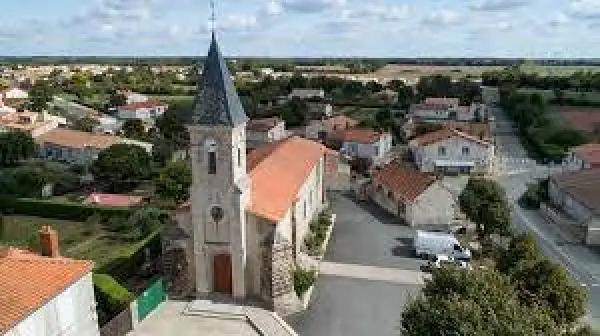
(439, 243)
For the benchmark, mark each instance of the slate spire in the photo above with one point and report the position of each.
(217, 101)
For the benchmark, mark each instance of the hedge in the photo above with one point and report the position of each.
(56, 210)
(111, 295)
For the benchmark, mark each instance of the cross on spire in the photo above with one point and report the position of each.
(213, 16)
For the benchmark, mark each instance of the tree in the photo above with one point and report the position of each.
(134, 129)
(521, 247)
(144, 221)
(116, 99)
(85, 124)
(16, 146)
(174, 181)
(484, 202)
(40, 94)
(121, 166)
(294, 112)
(544, 282)
(480, 302)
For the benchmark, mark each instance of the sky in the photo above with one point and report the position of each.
(303, 28)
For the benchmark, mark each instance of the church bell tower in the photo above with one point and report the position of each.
(220, 188)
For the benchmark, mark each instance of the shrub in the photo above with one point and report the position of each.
(111, 295)
(303, 280)
(56, 210)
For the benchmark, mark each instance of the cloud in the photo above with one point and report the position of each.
(381, 12)
(496, 5)
(559, 20)
(442, 18)
(312, 6)
(585, 9)
(273, 7)
(238, 22)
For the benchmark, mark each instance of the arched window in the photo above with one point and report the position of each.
(390, 195)
(211, 153)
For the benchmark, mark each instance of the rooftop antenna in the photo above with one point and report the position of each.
(213, 16)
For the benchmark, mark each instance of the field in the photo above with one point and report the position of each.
(89, 241)
(582, 118)
(412, 72)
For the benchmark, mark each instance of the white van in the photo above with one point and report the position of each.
(436, 243)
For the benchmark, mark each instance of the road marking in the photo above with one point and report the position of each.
(374, 273)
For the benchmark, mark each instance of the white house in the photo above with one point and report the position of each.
(583, 157)
(264, 130)
(46, 295)
(134, 97)
(321, 129)
(14, 94)
(248, 214)
(415, 197)
(146, 110)
(452, 151)
(365, 143)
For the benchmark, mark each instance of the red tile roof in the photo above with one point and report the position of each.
(114, 200)
(583, 185)
(358, 135)
(151, 103)
(444, 134)
(28, 281)
(406, 183)
(277, 178)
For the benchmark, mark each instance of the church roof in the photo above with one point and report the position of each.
(217, 101)
(277, 174)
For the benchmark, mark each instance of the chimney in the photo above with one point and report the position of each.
(49, 242)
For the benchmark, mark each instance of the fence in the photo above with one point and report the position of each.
(138, 310)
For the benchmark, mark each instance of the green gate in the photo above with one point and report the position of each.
(150, 299)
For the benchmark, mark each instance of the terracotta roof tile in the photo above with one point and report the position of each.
(277, 177)
(77, 139)
(28, 281)
(404, 182)
(114, 200)
(151, 103)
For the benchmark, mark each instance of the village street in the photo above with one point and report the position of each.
(367, 277)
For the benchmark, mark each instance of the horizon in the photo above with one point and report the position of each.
(500, 29)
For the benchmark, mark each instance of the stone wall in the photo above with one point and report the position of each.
(278, 279)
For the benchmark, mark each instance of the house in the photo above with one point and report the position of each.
(321, 129)
(33, 123)
(450, 151)
(434, 110)
(146, 110)
(364, 143)
(46, 294)
(248, 215)
(264, 130)
(134, 97)
(416, 197)
(576, 194)
(316, 110)
(14, 96)
(583, 157)
(307, 94)
(108, 125)
(114, 200)
(77, 147)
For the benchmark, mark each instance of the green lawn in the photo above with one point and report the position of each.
(359, 113)
(87, 241)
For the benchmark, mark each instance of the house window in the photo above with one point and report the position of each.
(376, 150)
(239, 159)
(391, 195)
(304, 210)
(442, 150)
(465, 150)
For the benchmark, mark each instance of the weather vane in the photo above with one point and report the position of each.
(213, 16)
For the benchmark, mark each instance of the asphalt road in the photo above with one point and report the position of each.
(373, 278)
(582, 262)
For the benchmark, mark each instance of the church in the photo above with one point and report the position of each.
(243, 228)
